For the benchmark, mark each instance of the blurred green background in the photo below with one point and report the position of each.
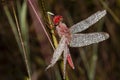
(26, 51)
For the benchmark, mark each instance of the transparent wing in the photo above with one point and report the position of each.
(87, 22)
(65, 60)
(67, 57)
(57, 52)
(79, 40)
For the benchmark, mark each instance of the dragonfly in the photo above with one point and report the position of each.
(71, 37)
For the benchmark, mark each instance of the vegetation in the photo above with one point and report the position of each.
(28, 40)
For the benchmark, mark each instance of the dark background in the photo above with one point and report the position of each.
(101, 61)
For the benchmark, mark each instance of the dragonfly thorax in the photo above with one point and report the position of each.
(62, 30)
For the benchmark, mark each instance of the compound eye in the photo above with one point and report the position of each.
(57, 19)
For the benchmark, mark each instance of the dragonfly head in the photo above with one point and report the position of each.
(57, 19)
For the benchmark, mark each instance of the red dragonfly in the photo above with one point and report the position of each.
(70, 37)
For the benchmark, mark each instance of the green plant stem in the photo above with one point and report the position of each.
(22, 44)
(93, 62)
(84, 59)
(13, 27)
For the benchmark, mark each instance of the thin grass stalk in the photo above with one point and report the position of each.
(93, 62)
(24, 30)
(22, 43)
(13, 26)
(110, 11)
(24, 25)
(38, 17)
(14, 29)
(85, 61)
